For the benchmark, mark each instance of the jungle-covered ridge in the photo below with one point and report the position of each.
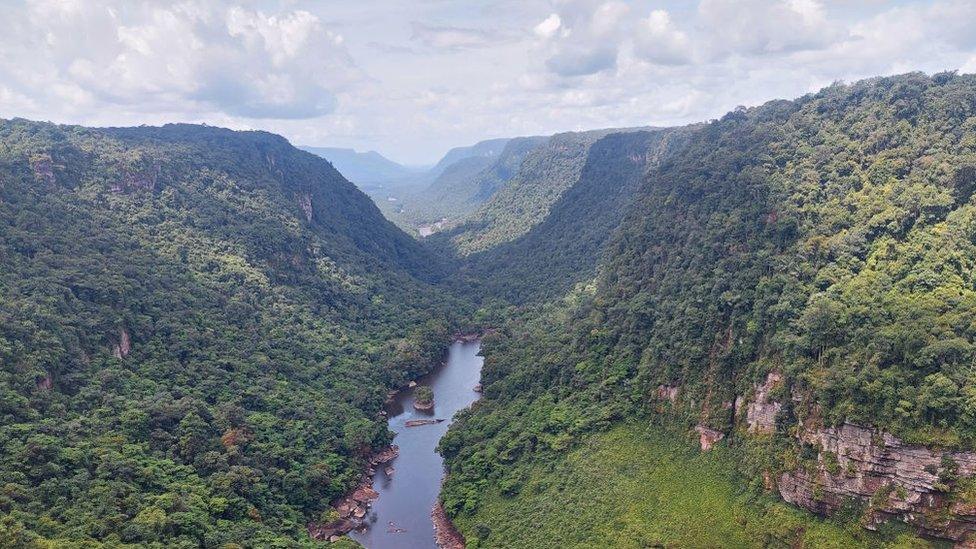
(810, 260)
(422, 200)
(200, 326)
(199, 329)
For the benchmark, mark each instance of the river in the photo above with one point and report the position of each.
(400, 517)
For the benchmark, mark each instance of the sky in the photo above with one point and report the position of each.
(411, 79)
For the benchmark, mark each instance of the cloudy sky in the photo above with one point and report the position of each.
(413, 78)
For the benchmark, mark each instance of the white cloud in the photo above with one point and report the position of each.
(969, 67)
(756, 27)
(548, 27)
(442, 37)
(189, 56)
(414, 78)
(658, 41)
(589, 40)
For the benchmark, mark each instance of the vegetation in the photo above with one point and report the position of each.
(465, 179)
(198, 328)
(544, 174)
(646, 486)
(828, 238)
(565, 248)
(424, 395)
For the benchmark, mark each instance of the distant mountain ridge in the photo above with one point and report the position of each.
(468, 181)
(540, 179)
(368, 167)
(463, 179)
(487, 148)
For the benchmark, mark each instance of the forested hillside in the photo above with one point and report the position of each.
(795, 281)
(198, 328)
(540, 180)
(488, 148)
(462, 183)
(543, 258)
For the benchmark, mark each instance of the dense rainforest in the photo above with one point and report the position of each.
(685, 327)
(198, 328)
(793, 283)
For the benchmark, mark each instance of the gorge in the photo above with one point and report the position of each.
(762, 324)
(408, 485)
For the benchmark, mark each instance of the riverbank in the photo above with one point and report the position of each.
(446, 535)
(353, 507)
(404, 514)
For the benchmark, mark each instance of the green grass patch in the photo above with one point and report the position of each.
(641, 486)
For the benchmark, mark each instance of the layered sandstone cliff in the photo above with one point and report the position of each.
(896, 480)
(931, 489)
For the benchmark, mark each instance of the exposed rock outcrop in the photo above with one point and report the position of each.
(43, 168)
(761, 410)
(353, 507)
(894, 480)
(667, 392)
(137, 181)
(45, 383)
(897, 480)
(445, 534)
(305, 201)
(708, 437)
(124, 345)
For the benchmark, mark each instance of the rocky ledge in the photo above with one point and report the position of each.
(445, 534)
(897, 481)
(931, 489)
(352, 508)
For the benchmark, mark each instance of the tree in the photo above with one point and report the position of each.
(424, 396)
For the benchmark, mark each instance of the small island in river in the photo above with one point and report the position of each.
(424, 398)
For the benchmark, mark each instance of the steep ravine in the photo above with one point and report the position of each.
(794, 281)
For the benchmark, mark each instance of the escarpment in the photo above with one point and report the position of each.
(770, 261)
(830, 468)
(926, 488)
(837, 466)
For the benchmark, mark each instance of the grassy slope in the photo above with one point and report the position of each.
(641, 486)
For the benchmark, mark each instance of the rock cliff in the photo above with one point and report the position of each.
(923, 487)
(897, 481)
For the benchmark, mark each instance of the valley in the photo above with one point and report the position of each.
(754, 331)
(408, 485)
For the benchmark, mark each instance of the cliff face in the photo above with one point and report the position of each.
(927, 488)
(923, 487)
(897, 480)
(761, 412)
